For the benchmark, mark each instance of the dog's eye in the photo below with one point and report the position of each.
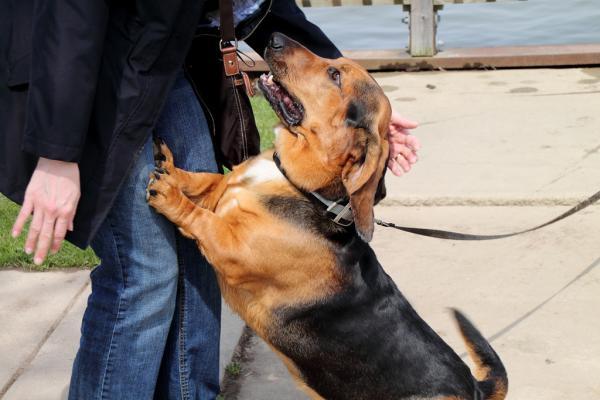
(334, 74)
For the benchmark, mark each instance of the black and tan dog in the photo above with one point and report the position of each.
(302, 277)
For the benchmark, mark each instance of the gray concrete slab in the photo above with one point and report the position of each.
(499, 136)
(265, 376)
(231, 330)
(48, 375)
(32, 304)
(41, 317)
(535, 296)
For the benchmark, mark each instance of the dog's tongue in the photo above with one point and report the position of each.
(276, 93)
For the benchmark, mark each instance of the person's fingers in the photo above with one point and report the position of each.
(45, 238)
(403, 162)
(396, 119)
(395, 167)
(406, 153)
(60, 230)
(405, 138)
(403, 151)
(397, 135)
(24, 213)
(413, 142)
(404, 123)
(34, 230)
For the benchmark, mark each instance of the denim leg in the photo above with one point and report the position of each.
(129, 312)
(152, 325)
(190, 368)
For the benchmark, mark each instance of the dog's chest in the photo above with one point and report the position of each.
(260, 170)
(245, 185)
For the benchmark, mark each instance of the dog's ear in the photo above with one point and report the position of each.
(362, 172)
(357, 115)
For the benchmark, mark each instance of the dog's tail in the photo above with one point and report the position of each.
(489, 370)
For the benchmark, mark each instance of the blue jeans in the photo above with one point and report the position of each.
(152, 324)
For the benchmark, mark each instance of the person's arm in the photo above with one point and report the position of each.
(286, 17)
(68, 36)
(67, 42)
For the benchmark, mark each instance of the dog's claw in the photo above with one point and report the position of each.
(161, 170)
(158, 155)
(157, 175)
(152, 192)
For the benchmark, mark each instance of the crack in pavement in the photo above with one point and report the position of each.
(27, 362)
(535, 309)
(449, 201)
(569, 170)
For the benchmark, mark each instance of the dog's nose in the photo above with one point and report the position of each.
(277, 41)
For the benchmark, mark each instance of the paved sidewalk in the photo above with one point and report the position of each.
(502, 151)
(524, 136)
(40, 315)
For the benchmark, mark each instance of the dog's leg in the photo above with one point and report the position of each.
(215, 237)
(202, 188)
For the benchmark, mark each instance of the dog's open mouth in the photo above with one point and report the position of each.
(289, 110)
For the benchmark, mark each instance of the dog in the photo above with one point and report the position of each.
(287, 233)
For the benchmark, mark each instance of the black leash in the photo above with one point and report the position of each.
(434, 233)
(440, 234)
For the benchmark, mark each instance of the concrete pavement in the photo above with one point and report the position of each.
(502, 151)
(499, 137)
(40, 315)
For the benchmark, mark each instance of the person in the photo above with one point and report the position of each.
(90, 84)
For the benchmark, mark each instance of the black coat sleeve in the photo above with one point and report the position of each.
(67, 44)
(285, 17)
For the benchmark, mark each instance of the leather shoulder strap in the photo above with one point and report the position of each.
(227, 25)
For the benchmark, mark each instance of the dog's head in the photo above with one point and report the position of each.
(335, 119)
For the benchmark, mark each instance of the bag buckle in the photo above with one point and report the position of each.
(230, 60)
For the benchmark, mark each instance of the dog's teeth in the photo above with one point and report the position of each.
(270, 79)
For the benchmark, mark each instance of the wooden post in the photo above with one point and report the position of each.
(422, 28)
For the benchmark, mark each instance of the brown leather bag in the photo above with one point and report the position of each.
(237, 137)
(212, 65)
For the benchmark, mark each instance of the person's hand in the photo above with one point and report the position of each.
(52, 196)
(403, 146)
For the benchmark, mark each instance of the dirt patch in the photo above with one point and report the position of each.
(234, 377)
(524, 89)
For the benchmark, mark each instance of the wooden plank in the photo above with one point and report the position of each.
(422, 29)
(472, 58)
(337, 3)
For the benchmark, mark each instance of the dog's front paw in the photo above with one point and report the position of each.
(163, 158)
(163, 196)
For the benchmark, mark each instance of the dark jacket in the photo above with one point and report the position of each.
(88, 81)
